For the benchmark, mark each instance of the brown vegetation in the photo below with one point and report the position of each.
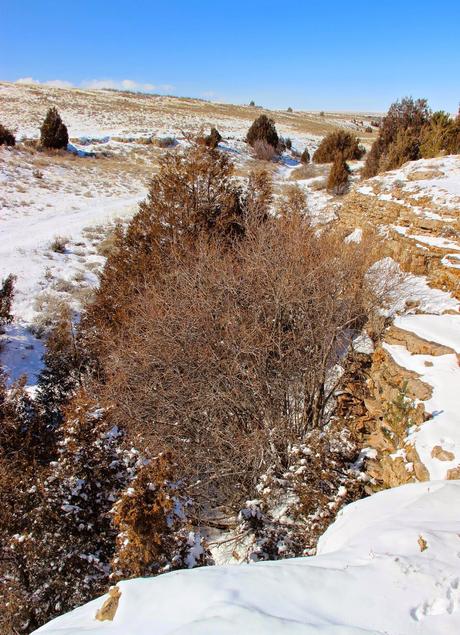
(53, 132)
(337, 182)
(263, 129)
(228, 352)
(7, 138)
(343, 142)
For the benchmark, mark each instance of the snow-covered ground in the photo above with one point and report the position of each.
(390, 564)
(438, 179)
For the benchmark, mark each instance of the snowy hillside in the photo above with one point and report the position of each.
(389, 564)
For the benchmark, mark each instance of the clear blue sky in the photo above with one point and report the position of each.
(306, 54)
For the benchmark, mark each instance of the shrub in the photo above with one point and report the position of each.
(452, 138)
(59, 556)
(289, 109)
(213, 139)
(294, 201)
(433, 136)
(164, 142)
(7, 138)
(343, 142)
(263, 150)
(59, 244)
(193, 194)
(263, 129)
(406, 147)
(369, 129)
(6, 300)
(337, 182)
(151, 519)
(53, 132)
(305, 157)
(60, 377)
(402, 116)
(252, 103)
(227, 353)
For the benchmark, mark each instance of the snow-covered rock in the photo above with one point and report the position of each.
(389, 564)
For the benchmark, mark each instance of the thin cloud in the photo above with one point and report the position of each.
(125, 84)
(98, 84)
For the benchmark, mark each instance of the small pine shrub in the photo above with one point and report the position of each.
(263, 129)
(213, 139)
(151, 518)
(53, 133)
(403, 116)
(406, 147)
(252, 103)
(452, 138)
(343, 142)
(7, 138)
(338, 179)
(6, 300)
(289, 109)
(305, 157)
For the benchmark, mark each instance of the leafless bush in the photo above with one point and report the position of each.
(226, 358)
(318, 185)
(59, 244)
(164, 142)
(263, 150)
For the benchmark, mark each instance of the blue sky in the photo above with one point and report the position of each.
(304, 54)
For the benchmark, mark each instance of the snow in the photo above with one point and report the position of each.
(443, 329)
(355, 236)
(443, 188)
(370, 577)
(443, 374)
(25, 252)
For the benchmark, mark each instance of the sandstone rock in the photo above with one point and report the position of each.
(414, 344)
(439, 453)
(453, 474)
(423, 175)
(110, 606)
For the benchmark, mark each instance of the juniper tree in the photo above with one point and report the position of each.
(263, 129)
(337, 182)
(7, 138)
(53, 132)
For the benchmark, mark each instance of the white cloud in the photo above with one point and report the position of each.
(59, 83)
(92, 84)
(27, 80)
(125, 84)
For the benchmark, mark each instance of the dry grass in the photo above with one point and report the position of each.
(141, 112)
(308, 171)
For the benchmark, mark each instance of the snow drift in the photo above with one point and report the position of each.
(390, 564)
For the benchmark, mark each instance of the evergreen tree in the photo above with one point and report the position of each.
(305, 156)
(61, 557)
(154, 534)
(213, 139)
(7, 138)
(53, 132)
(337, 182)
(6, 301)
(62, 372)
(263, 129)
(341, 141)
